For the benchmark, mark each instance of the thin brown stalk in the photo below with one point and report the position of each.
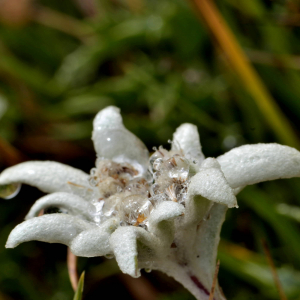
(273, 269)
(212, 291)
(72, 269)
(41, 213)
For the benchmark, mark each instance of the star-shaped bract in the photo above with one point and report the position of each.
(179, 238)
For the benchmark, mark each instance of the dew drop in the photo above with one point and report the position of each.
(109, 256)
(154, 189)
(148, 270)
(92, 181)
(93, 171)
(149, 177)
(10, 190)
(157, 163)
(170, 141)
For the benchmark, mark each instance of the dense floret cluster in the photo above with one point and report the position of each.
(122, 191)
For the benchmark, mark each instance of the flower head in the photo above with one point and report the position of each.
(162, 213)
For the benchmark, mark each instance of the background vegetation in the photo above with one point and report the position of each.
(63, 61)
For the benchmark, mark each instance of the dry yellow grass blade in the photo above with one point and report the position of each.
(246, 72)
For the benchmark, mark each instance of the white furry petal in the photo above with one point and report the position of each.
(165, 211)
(186, 138)
(211, 184)
(207, 187)
(53, 228)
(48, 176)
(207, 241)
(95, 241)
(203, 255)
(125, 247)
(113, 141)
(73, 204)
(251, 164)
(161, 220)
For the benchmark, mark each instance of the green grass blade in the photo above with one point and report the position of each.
(253, 269)
(286, 230)
(78, 294)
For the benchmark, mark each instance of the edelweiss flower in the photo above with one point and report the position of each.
(163, 214)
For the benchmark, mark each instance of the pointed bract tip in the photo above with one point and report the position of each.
(186, 138)
(10, 245)
(108, 117)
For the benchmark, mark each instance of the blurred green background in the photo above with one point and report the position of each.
(63, 61)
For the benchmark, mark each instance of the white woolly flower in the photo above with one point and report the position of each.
(164, 213)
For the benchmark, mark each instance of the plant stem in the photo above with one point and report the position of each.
(187, 275)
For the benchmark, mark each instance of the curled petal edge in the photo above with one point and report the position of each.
(95, 241)
(124, 243)
(73, 204)
(48, 176)
(52, 228)
(208, 186)
(250, 164)
(113, 141)
(161, 220)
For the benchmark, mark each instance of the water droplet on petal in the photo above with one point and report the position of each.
(93, 171)
(157, 163)
(10, 190)
(109, 256)
(143, 226)
(148, 270)
(149, 177)
(93, 181)
(154, 189)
